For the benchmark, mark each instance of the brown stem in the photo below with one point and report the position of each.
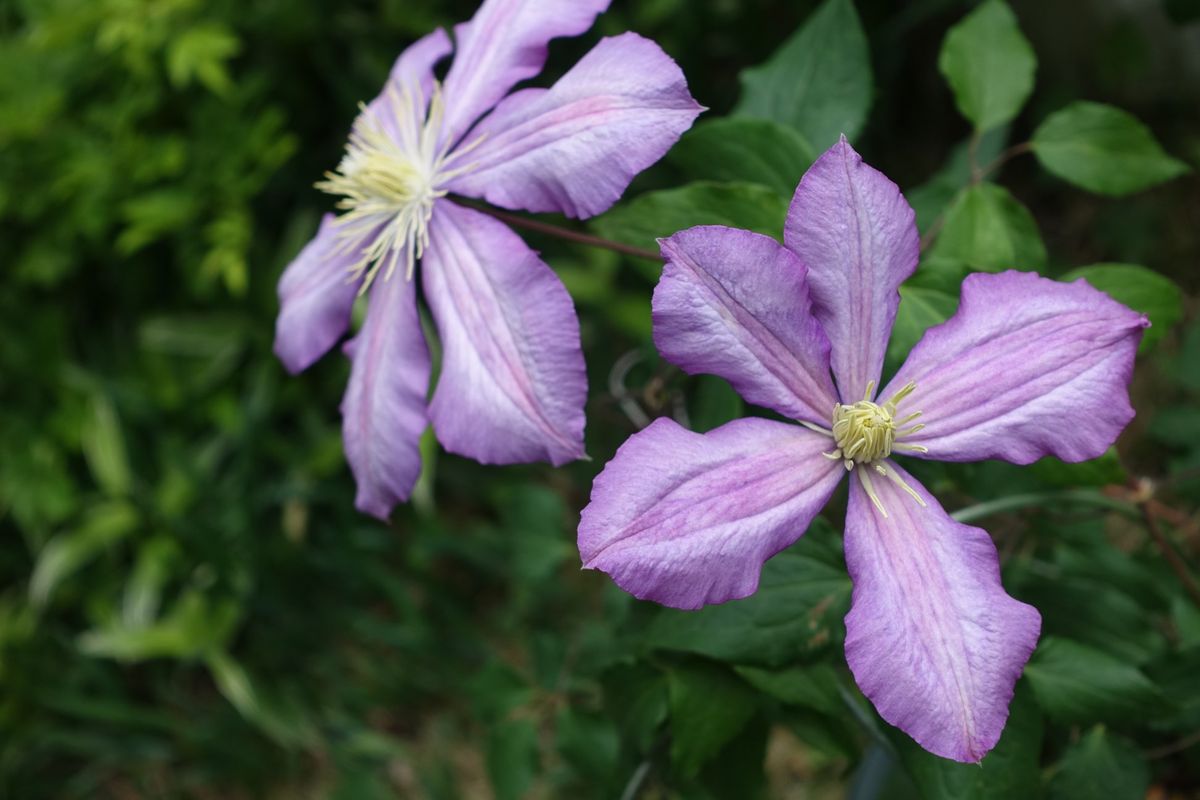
(1145, 497)
(977, 175)
(563, 233)
(1004, 157)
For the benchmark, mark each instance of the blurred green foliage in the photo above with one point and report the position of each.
(191, 607)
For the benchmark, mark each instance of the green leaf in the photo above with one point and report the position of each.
(1102, 149)
(104, 447)
(758, 151)
(797, 611)
(200, 53)
(819, 82)
(512, 758)
(713, 403)
(989, 65)
(1076, 684)
(1101, 766)
(709, 706)
(1142, 290)
(106, 525)
(814, 687)
(655, 215)
(1010, 770)
(989, 230)
(920, 309)
(1102, 471)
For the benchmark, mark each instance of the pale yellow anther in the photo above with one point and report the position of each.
(866, 432)
(389, 180)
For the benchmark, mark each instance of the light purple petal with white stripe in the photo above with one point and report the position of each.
(316, 296)
(502, 45)
(687, 519)
(735, 304)
(512, 386)
(383, 411)
(858, 237)
(1028, 367)
(575, 147)
(932, 638)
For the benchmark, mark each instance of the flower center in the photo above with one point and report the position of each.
(389, 180)
(866, 432)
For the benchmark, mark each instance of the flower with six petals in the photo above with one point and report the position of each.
(1028, 367)
(512, 383)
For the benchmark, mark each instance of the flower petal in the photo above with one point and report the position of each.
(1028, 367)
(411, 74)
(575, 147)
(735, 304)
(932, 638)
(503, 44)
(383, 411)
(687, 519)
(316, 296)
(857, 235)
(512, 385)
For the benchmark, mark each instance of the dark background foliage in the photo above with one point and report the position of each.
(190, 606)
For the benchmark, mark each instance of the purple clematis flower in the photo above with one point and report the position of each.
(512, 384)
(1028, 367)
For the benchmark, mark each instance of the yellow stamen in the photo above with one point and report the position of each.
(389, 180)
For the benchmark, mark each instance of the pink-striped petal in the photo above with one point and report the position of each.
(687, 519)
(1028, 367)
(512, 385)
(932, 638)
(857, 235)
(575, 147)
(316, 296)
(383, 411)
(735, 304)
(504, 44)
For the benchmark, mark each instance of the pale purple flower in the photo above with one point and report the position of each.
(512, 384)
(1028, 367)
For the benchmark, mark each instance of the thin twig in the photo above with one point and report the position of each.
(1173, 747)
(563, 233)
(636, 780)
(1145, 494)
(1004, 157)
(978, 174)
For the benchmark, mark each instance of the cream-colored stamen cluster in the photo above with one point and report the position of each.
(867, 432)
(389, 181)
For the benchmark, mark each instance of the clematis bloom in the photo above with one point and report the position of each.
(512, 384)
(1027, 367)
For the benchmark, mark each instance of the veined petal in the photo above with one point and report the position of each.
(503, 44)
(316, 295)
(512, 385)
(1028, 367)
(383, 411)
(686, 519)
(858, 237)
(932, 638)
(412, 78)
(575, 147)
(735, 304)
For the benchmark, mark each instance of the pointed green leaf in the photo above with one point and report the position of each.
(989, 230)
(819, 82)
(989, 65)
(758, 151)
(1103, 149)
(1101, 766)
(709, 706)
(1076, 684)
(1142, 290)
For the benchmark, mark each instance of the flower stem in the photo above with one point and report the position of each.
(1144, 494)
(1018, 501)
(562, 233)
